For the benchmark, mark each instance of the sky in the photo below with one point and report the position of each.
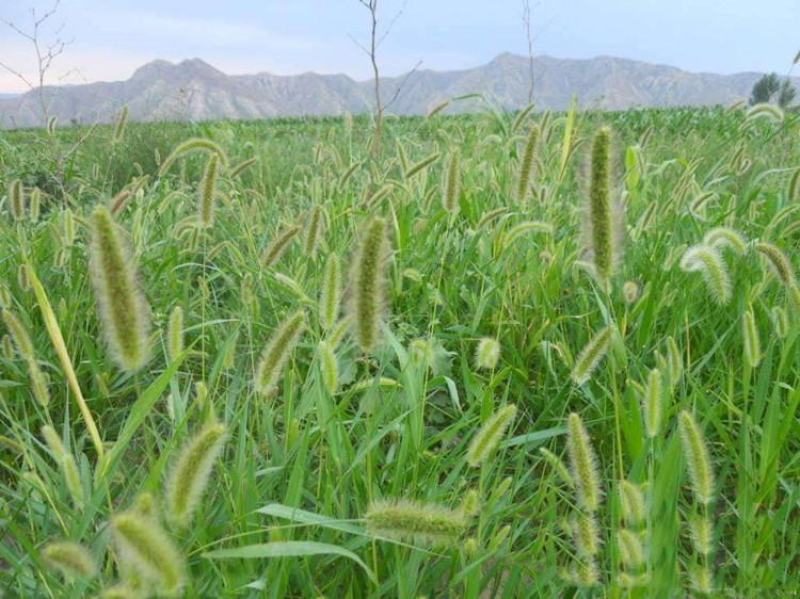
(109, 39)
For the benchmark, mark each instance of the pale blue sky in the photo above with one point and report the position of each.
(113, 37)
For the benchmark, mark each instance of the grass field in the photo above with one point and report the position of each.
(645, 286)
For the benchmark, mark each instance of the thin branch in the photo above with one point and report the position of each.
(402, 84)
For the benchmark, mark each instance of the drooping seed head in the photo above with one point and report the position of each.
(708, 261)
(591, 355)
(278, 246)
(70, 559)
(489, 435)
(722, 238)
(123, 310)
(414, 521)
(698, 460)
(421, 165)
(191, 145)
(558, 465)
(583, 464)
(368, 284)
(487, 354)
(779, 263)
(192, 470)
(277, 351)
(144, 547)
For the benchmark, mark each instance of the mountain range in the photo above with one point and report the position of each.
(195, 90)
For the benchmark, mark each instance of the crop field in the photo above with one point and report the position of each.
(501, 355)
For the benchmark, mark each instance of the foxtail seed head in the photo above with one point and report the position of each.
(701, 532)
(328, 366)
(119, 128)
(698, 460)
(632, 503)
(16, 200)
(601, 211)
(313, 231)
(368, 283)
(71, 559)
(591, 355)
(526, 166)
(631, 549)
(144, 547)
(586, 534)
(752, 341)
(723, 238)
(414, 521)
(452, 184)
(277, 351)
(175, 333)
(190, 145)
(330, 293)
(558, 465)
(279, 245)
(489, 435)
(708, 261)
(208, 192)
(123, 309)
(487, 354)
(583, 464)
(19, 334)
(191, 473)
(779, 262)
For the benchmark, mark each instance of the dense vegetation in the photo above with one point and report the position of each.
(571, 351)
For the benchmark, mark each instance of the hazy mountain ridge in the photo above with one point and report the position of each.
(194, 90)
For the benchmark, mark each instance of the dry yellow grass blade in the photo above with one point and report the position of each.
(57, 338)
